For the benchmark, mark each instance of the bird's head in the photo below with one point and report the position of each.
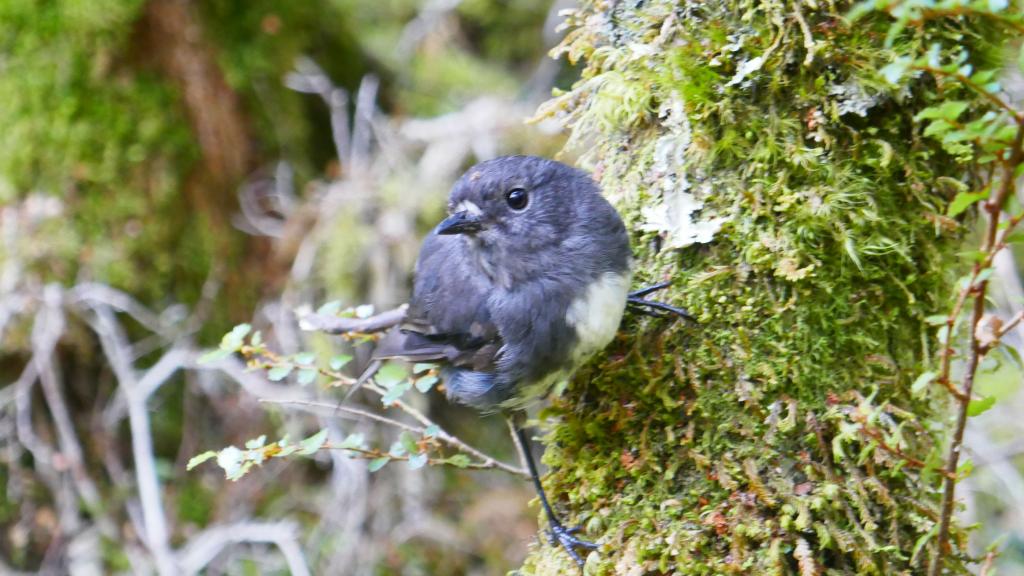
(521, 203)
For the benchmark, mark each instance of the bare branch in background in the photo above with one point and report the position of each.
(362, 128)
(45, 333)
(427, 20)
(206, 545)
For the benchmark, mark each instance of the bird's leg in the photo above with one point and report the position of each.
(558, 535)
(636, 298)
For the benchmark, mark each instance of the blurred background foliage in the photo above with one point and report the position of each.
(169, 168)
(157, 148)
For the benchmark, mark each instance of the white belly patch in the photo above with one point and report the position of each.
(596, 315)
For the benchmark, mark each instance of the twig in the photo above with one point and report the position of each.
(206, 545)
(45, 333)
(1011, 324)
(311, 321)
(324, 409)
(986, 566)
(116, 348)
(370, 454)
(486, 461)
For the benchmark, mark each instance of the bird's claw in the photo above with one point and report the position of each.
(653, 307)
(559, 535)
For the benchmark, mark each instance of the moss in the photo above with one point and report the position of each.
(780, 436)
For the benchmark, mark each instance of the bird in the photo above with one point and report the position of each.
(526, 278)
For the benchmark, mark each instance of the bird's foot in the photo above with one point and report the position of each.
(559, 535)
(653, 307)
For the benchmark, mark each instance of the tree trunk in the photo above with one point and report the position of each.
(782, 183)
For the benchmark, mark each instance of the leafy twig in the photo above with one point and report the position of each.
(977, 287)
(484, 461)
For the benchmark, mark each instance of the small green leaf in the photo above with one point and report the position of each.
(417, 461)
(965, 468)
(313, 443)
(257, 339)
(397, 449)
(425, 383)
(984, 76)
(256, 442)
(973, 255)
(937, 128)
(214, 356)
(1014, 355)
(408, 442)
(237, 474)
(377, 464)
(922, 382)
(279, 372)
(963, 201)
(895, 71)
(329, 308)
(394, 394)
(421, 367)
(432, 431)
(233, 340)
(305, 358)
(364, 311)
(459, 461)
(980, 406)
(353, 441)
(390, 374)
(200, 458)
(984, 275)
(339, 361)
(922, 541)
(936, 319)
(307, 376)
(285, 448)
(950, 111)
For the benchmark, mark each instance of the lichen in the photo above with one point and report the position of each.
(779, 435)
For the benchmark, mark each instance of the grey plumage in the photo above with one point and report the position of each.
(507, 299)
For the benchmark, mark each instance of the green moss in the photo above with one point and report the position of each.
(782, 429)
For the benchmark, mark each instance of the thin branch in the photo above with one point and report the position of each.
(116, 348)
(311, 321)
(486, 461)
(324, 409)
(45, 332)
(202, 548)
(372, 454)
(1011, 324)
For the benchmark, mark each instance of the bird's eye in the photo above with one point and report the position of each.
(517, 198)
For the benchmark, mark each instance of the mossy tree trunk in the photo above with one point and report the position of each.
(782, 182)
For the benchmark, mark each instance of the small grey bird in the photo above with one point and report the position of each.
(527, 278)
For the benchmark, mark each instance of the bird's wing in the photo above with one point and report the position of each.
(448, 319)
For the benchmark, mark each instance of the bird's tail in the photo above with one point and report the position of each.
(399, 344)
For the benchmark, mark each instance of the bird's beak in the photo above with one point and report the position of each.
(460, 223)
